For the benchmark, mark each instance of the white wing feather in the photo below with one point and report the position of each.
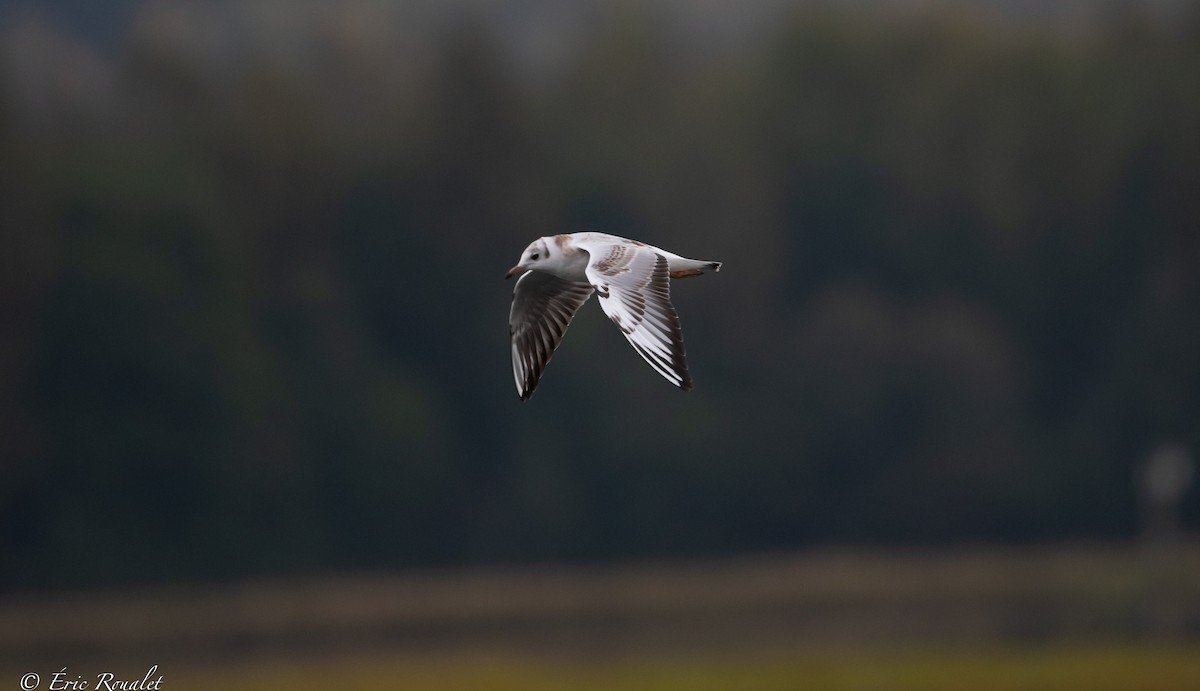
(633, 282)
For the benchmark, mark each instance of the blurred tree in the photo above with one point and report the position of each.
(255, 321)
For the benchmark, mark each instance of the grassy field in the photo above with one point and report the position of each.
(1074, 668)
(1057, 617)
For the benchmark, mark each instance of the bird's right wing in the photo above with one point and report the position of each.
(634, 285)
(542, 308)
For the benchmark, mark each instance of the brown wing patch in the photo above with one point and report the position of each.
(618, 260)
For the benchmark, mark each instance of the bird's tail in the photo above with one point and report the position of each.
(686, 268)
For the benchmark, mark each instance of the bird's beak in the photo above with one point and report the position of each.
(519, 268)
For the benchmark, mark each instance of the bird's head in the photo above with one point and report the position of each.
(537, 255)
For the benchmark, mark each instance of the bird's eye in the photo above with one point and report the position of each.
(534, 255)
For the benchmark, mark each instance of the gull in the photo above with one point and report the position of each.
(560, 273)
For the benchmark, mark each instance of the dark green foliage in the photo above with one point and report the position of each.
(255, 321)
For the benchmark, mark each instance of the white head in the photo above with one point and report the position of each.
(542, 253)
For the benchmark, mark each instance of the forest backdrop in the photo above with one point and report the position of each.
(254, 319)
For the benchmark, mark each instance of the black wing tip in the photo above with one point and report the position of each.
(685, 377)
(715, 266)
(527, 387)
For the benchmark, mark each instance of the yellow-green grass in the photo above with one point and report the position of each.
(847, 598)
(1082, 616)
(1095, 667)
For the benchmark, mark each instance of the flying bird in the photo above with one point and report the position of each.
(560, 273)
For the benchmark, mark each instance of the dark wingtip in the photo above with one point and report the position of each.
(526, 394)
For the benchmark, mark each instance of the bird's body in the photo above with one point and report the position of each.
(560, 273)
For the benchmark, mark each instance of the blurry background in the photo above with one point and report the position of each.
(254, 327)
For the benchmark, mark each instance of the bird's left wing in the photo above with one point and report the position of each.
(542, 308)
